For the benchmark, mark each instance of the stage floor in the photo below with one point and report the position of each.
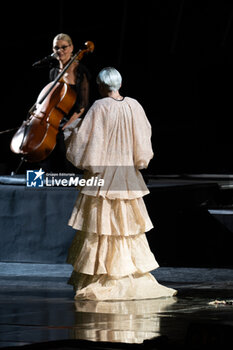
(37, 306)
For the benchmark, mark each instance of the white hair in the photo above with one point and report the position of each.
(110, 77)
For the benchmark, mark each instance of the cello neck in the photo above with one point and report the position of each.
(60, 75)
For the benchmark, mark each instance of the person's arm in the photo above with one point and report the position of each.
(73, 118)
(84, 92)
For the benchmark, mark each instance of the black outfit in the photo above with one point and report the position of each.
(81, 101)
(56, 162)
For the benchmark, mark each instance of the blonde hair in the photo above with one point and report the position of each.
(64, 37)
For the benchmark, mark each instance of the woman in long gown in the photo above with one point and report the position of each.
(110, 253)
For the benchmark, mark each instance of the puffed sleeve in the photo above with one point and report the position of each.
(85, 146)
(142, 133)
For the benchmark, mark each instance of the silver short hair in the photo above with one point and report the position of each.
(110, 77)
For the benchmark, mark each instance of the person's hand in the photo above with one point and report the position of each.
(73, 118)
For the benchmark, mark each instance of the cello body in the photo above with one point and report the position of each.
(36, 138)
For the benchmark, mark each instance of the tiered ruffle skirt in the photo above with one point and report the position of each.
(110, 253)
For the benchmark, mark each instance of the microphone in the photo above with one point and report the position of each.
(46, 59)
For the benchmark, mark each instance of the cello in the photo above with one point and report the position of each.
(36, 138)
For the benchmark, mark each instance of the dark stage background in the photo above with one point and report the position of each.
(175, 57)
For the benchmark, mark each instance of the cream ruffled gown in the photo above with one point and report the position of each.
(110, 253)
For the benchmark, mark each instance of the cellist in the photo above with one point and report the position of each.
(78, 77)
